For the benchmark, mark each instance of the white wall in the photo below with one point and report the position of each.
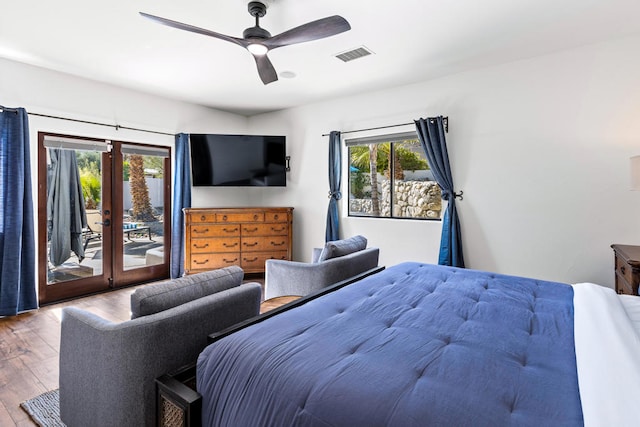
(540, 147)
(52, 93)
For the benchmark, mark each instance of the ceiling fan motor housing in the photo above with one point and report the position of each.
(256, 33)
(257, 9)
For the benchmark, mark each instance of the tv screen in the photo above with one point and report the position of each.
(238, 160)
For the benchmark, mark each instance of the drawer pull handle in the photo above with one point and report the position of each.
(230, 261)
(275, 216)
(250, 260)
(201, 263)
(230, 230)
(255, 217)
(202, 218)
(230, 245)
(277, 244)
(277, 230)
(206, 230)
(224, 217)
(253, 230)
(206, 245)
(250, 245)
(622, 270)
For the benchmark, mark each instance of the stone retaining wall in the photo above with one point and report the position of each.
(414, 199)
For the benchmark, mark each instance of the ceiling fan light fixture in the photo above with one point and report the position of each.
(257, 49)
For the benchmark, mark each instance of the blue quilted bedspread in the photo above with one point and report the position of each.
(415, 345)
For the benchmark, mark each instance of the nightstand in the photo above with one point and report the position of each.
(627, 259)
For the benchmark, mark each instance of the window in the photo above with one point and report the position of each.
(389, 177)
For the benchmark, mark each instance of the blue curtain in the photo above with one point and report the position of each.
(335, 173)
(17, 239)
(432, 136)
(181, 199)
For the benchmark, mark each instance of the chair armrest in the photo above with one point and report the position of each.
(315, 254)
(299, 278)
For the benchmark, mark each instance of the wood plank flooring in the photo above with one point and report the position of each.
(30, 343)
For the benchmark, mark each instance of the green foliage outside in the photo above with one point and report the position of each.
(89, 166)
(90, 177)
(91, 187)
(409, 160)
(150, 162)
(359, 180)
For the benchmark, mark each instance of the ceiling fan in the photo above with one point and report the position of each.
(259, 41)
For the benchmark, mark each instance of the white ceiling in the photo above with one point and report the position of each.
(413, 40)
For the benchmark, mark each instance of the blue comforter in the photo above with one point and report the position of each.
(415, 345)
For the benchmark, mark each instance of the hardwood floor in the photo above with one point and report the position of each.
(30, 343)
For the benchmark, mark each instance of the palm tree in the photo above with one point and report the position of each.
(398, 171)
(139, 191)
(373, 161)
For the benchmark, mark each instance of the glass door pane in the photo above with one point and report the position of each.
(143, 209)
(142, 192)
(71, 187)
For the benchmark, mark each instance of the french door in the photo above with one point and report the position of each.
(103, 215)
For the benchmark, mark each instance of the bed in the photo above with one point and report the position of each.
(419, 344)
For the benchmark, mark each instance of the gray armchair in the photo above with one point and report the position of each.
(337, 261)
(108, 370)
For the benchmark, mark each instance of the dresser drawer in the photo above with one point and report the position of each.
(627, 268)
(264, 229)
(276, 216)
(220, 244)
(240, 217)
(622, 286)
(624, 270)
(255, 261)
(202, 217)
(212, 261)
(264, 243)
(214, 230)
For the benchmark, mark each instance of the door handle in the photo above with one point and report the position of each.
(106, 222)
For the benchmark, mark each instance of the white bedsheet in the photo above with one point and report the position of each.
(607, 338)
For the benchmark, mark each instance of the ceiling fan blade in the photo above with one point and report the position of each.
(191, 28)
(265, 69)
(313, 30)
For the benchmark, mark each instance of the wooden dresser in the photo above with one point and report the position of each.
(627, 259)
(247, 237)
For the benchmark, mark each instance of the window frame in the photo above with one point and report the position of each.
(394, 139)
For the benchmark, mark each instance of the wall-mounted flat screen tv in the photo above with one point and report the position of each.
(238, 160)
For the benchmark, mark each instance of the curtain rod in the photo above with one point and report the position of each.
(445, 121)
(117, 127)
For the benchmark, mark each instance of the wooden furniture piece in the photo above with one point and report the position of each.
(246, 237)
(137, 230)
(627, 261)
(178, 402)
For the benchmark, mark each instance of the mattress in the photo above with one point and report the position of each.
(607, 331)
(416, 344)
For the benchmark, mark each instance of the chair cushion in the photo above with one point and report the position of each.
(172, 293)
(338, 248)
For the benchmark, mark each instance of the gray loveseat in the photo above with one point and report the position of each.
(338, 260)
(108, 370)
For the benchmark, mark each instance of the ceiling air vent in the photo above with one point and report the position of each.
(352, 54)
